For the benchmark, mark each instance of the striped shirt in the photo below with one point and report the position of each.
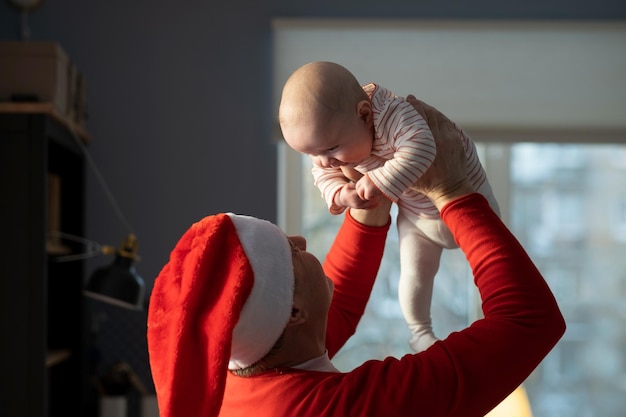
(403, 149)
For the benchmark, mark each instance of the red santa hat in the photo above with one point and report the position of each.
(222, 301)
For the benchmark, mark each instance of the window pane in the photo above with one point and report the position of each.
(568, 208)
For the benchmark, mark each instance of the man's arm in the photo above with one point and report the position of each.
(352, 264)
(446, 179)
(376, 217)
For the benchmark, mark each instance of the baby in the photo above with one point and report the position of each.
(325, 113)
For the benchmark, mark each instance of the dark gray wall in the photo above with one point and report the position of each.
(179, 98)
(180, 107)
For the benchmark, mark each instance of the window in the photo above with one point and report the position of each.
(560, 184)
(562, 222)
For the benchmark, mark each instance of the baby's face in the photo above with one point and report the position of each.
(344, 141)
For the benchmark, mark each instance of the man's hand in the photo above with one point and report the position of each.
(446, 179)
(376, 216)
(347, 196)
(364, 187)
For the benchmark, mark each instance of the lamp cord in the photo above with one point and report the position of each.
(93, 248)
(101, 180)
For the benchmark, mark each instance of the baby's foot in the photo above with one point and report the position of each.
(422, 337)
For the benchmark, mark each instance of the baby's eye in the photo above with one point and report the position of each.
(334, 148)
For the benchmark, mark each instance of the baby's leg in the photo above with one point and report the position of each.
(421, 244)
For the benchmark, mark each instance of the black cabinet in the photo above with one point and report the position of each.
(43, 317)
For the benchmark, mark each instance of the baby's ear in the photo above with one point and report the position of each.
(364, 110)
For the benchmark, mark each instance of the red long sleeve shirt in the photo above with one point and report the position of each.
(465, 375)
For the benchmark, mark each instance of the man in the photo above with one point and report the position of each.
(243, 321)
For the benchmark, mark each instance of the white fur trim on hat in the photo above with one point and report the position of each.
(268, 308)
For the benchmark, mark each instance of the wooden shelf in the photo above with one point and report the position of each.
(45, 108)
(43, 182)
(57, 356)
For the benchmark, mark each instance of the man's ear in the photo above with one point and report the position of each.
(364, 111)
(298, 316)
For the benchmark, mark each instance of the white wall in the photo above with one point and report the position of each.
(501, 81)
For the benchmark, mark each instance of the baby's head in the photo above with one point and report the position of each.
(325, 113)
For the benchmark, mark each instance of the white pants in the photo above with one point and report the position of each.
(422, 241)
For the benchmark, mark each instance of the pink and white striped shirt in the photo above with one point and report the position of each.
(403, 149)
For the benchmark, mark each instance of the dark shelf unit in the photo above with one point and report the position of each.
(43, 315)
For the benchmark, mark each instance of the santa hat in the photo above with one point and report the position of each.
(222, 301)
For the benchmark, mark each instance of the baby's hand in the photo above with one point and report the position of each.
(347, 196)
(351, 173)
(367, 190)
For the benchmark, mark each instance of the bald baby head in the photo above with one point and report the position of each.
(317, 92)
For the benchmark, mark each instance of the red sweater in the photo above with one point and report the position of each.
(466, 374)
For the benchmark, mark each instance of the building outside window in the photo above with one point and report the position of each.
(565, 205)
